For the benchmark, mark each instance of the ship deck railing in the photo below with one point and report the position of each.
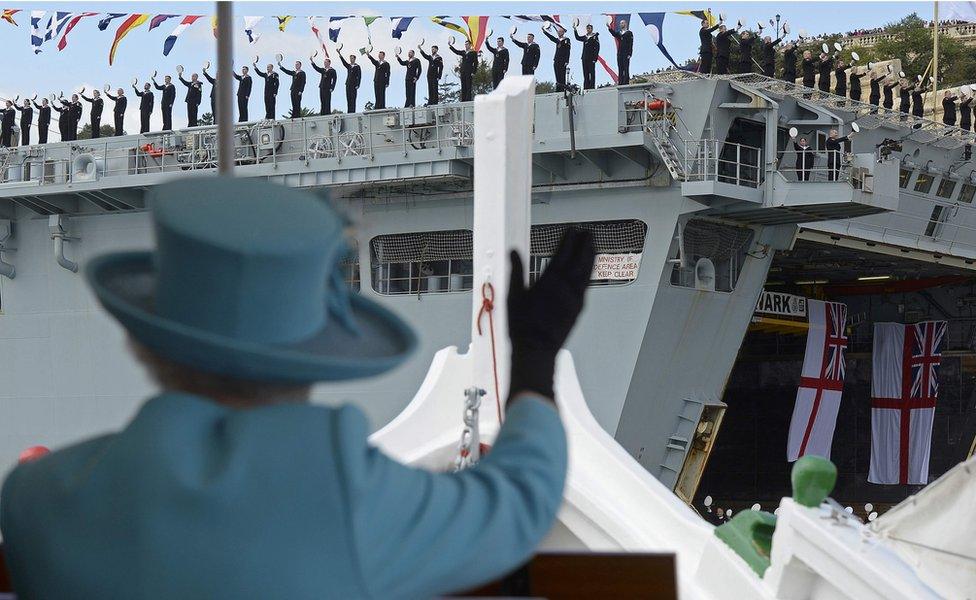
(867, 116)
(821, 171)
(723, 161)
(259, 142)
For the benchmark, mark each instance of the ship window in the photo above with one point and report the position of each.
(722, 244)
(946, 187)
(903, 176)
(619, 246)
(350, 267)
(924, 183)
(937, 218)
(441, 261)
(966, 193)
(422, 262)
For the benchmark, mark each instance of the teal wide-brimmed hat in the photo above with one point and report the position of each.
(246, 282)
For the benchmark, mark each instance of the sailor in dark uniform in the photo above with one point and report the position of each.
(560, 60)
(904, 97)
(826, 68)
(746, 42)
(297, 87)
(769, 55)
(118, 111)
(835, 152)
(95, 115)
(809, 68)
(26, 118)
(271, 83)
(327, 84)
(789, 62)
(243, 93)
(75, 111)
(146, 101)
(889, 93)
(625, 48)
(591, 52)
(194, 96)
(354, 76)
(499, 64)
(381, 78)
(949, 108)
(213, 93)
(43, 119)
(411, 78)
(7, 124)
(167, 100)
(875, 81)
(530, 53)
(723, 49)
(705, 51)
(854, 79)
(805, 157)
(965, 112)
(918, 104)
(469, 64)
(64, 116)
(435, 68)
(840, 78)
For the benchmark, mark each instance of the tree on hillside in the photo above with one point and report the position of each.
(306, 112)
(206, 118)
(105, 130)
(912, 42)
(545, 87)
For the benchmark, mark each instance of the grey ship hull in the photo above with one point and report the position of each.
(653, 354)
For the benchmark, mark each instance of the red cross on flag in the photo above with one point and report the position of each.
(904, 387)
(821, 382)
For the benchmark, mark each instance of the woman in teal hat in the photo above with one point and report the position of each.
(229, 484)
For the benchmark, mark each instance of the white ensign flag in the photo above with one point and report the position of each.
(821, 382)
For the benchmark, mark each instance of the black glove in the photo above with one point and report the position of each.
(541, 317)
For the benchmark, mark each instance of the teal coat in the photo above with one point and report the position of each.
(196, 500)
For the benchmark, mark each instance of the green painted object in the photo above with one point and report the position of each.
(750, 535)
(813, 480)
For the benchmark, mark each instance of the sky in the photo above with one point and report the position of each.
(84, 61)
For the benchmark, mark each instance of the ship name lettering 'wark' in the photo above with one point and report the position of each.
(778, 303)
(616, 266)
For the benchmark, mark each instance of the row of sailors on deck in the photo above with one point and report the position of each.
(818, 72)
(71, 109)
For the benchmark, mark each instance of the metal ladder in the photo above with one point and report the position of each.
(666, 149)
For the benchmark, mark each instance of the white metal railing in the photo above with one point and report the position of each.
(260, 142)
(792, 165)
(724, 162)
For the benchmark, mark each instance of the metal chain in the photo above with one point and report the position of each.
(469, 448)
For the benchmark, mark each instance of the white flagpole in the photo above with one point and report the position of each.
(935, 60)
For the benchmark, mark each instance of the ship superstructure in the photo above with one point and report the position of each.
(687, 182)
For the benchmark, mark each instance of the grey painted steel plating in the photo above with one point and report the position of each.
(650, 354)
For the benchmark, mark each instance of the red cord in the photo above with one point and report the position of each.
(487, 306)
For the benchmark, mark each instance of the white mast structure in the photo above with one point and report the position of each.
(611, 503)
